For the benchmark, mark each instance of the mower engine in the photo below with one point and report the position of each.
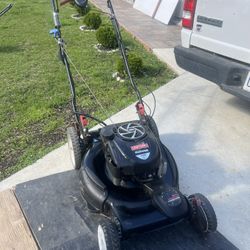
(133, 154)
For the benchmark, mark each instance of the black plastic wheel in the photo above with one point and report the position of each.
(203, 216)
(173, 165)
(152, 125)
(74, 147)
(108, 236)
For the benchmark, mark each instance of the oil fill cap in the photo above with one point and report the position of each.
(108, 132)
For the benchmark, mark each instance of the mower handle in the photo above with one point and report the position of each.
(6, 9)
(123, 51)
(54, 4)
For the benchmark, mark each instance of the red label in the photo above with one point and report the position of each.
(139, 146)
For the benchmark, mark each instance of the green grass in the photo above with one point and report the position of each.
(34, 92)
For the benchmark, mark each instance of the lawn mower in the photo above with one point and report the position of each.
(128, 177)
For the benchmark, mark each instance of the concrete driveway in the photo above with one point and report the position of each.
(207, 131)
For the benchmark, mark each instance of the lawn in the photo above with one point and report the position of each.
(34, 93)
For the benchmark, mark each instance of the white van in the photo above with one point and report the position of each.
(216, 43)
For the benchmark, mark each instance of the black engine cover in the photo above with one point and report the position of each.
(131, 150)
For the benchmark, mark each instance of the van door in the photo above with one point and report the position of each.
(222, 27)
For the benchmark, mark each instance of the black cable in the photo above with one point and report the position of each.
(154, 98)
(150, 111)
(154, 102)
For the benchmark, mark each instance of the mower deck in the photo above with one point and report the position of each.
(58, 219)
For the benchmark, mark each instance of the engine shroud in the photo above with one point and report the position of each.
(131, 152)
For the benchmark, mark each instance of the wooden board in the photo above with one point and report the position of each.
(14, 231)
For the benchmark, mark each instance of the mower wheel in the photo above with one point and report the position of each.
(172, 163)
(74, 147)
(203, 215)
(152, 125)
(108, 236)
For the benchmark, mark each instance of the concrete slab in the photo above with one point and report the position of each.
(55, 162)
(207, 131)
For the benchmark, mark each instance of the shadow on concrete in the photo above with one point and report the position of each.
(240, 104)
(198, 169)
(58, 218)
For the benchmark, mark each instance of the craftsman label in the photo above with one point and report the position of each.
(139, 146)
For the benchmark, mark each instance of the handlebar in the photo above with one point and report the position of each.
(123, 50)
(6, 9)
(54, 4)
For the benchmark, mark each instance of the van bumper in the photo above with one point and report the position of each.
(229, 75)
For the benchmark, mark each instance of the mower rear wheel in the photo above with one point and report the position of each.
(203, 215)
(152, 125)
(108, 236)
(74, 147)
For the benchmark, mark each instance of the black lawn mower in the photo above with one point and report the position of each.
(127, 175)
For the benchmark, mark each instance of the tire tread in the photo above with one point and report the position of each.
(71, 131)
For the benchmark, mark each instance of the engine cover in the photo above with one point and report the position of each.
(131, 150)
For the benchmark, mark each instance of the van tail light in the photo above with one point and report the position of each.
(188, 14)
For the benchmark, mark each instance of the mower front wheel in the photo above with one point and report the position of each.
(203, 216)
(74, 147)
(108, 236)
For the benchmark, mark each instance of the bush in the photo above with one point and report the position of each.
(92, 20)
(105, 35)
(135, 64)
(82, 11)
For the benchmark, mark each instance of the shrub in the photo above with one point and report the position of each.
(135, 64)
(92, 20)
(105, 35)
(82, 11)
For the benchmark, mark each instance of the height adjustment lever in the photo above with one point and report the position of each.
(55, 33)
